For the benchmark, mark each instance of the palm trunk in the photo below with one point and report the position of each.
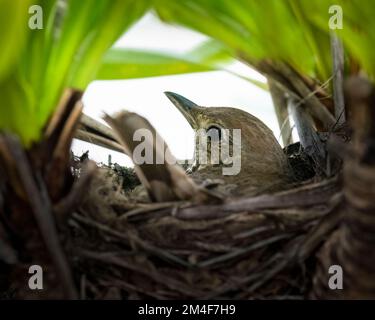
(37, 190)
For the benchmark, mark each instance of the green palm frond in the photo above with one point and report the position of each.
(358, 32)
(293, 31)
(120, 63)
(67, 52)
(256, 30)
(74, 47)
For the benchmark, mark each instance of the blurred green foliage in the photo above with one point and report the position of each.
(119, 63)
(75, 45)
(358, 32)
(38, 64)
(256, 30)
(294, 31)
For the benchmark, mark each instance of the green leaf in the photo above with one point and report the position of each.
(127, 63)
(119, 63)
(254, 30)
(88, 29)
(358, 33)
(37, 65)
(13, 33)
(72, 48)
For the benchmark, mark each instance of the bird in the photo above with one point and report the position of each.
(263, 163)
(254, 162)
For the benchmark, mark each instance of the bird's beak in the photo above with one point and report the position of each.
(185, 106)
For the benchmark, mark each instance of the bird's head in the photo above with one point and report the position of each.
(259, 150)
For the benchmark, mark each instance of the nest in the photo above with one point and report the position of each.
(255, 248)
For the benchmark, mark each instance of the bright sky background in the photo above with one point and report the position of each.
(145, 96)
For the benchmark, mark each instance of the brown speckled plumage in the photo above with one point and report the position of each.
(263, 162)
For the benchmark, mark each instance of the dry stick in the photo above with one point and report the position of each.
(289, 258)
(292, 83)
(96, 126)
(130, 237)
(241, 251)
(253, 232)
(281, 109)
(315, 194)
(72, 200)
(59, 127)
(274, 261)
(41, 208)
(55, 174)
(149, 208)
(337, 51)
(310, 140)
(92, 131)
(97, 139)
(272, 273)
(67, 101)
(317, 235)
(315, 107)
(157, 277)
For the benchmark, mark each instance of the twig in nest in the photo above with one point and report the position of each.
(73, 199)
(338, 79)
(293, 83)
(325, 227)
(97, 139)
(309, 195)
(310, 140)
(241, 251)
(131, 237)
(92, 131)
(152, 274)
(146, 208)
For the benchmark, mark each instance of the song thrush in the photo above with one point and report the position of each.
(263, 164)
(242, 155)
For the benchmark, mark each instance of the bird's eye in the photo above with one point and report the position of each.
(214, 133)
